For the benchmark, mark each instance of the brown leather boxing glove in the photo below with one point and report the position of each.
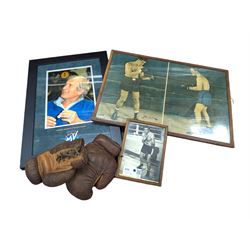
(100, 169)
(56, 166)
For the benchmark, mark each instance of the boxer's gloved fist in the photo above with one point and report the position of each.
(100, 169)
(56, 166)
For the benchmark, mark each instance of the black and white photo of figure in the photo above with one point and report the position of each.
(143, 153)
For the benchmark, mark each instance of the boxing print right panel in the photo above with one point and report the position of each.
(192, 100)
(143, 151)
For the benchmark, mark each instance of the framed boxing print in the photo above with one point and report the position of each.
(192, 100)
(143, 152)
(60, 100)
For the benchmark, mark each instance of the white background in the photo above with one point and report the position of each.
(204, 200)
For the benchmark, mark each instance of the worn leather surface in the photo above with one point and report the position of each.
(99, 170)
(54, 167)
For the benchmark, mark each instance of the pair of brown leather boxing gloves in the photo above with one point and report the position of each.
(80, 166)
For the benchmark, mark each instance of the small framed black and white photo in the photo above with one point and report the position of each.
(143, 152)
(60, 101)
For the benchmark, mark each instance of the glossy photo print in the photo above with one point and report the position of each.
(192, 100)
(143, 152)
(70, 97)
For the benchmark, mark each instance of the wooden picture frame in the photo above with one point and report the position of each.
(192, 100)
(48, 84)
(143, 152)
